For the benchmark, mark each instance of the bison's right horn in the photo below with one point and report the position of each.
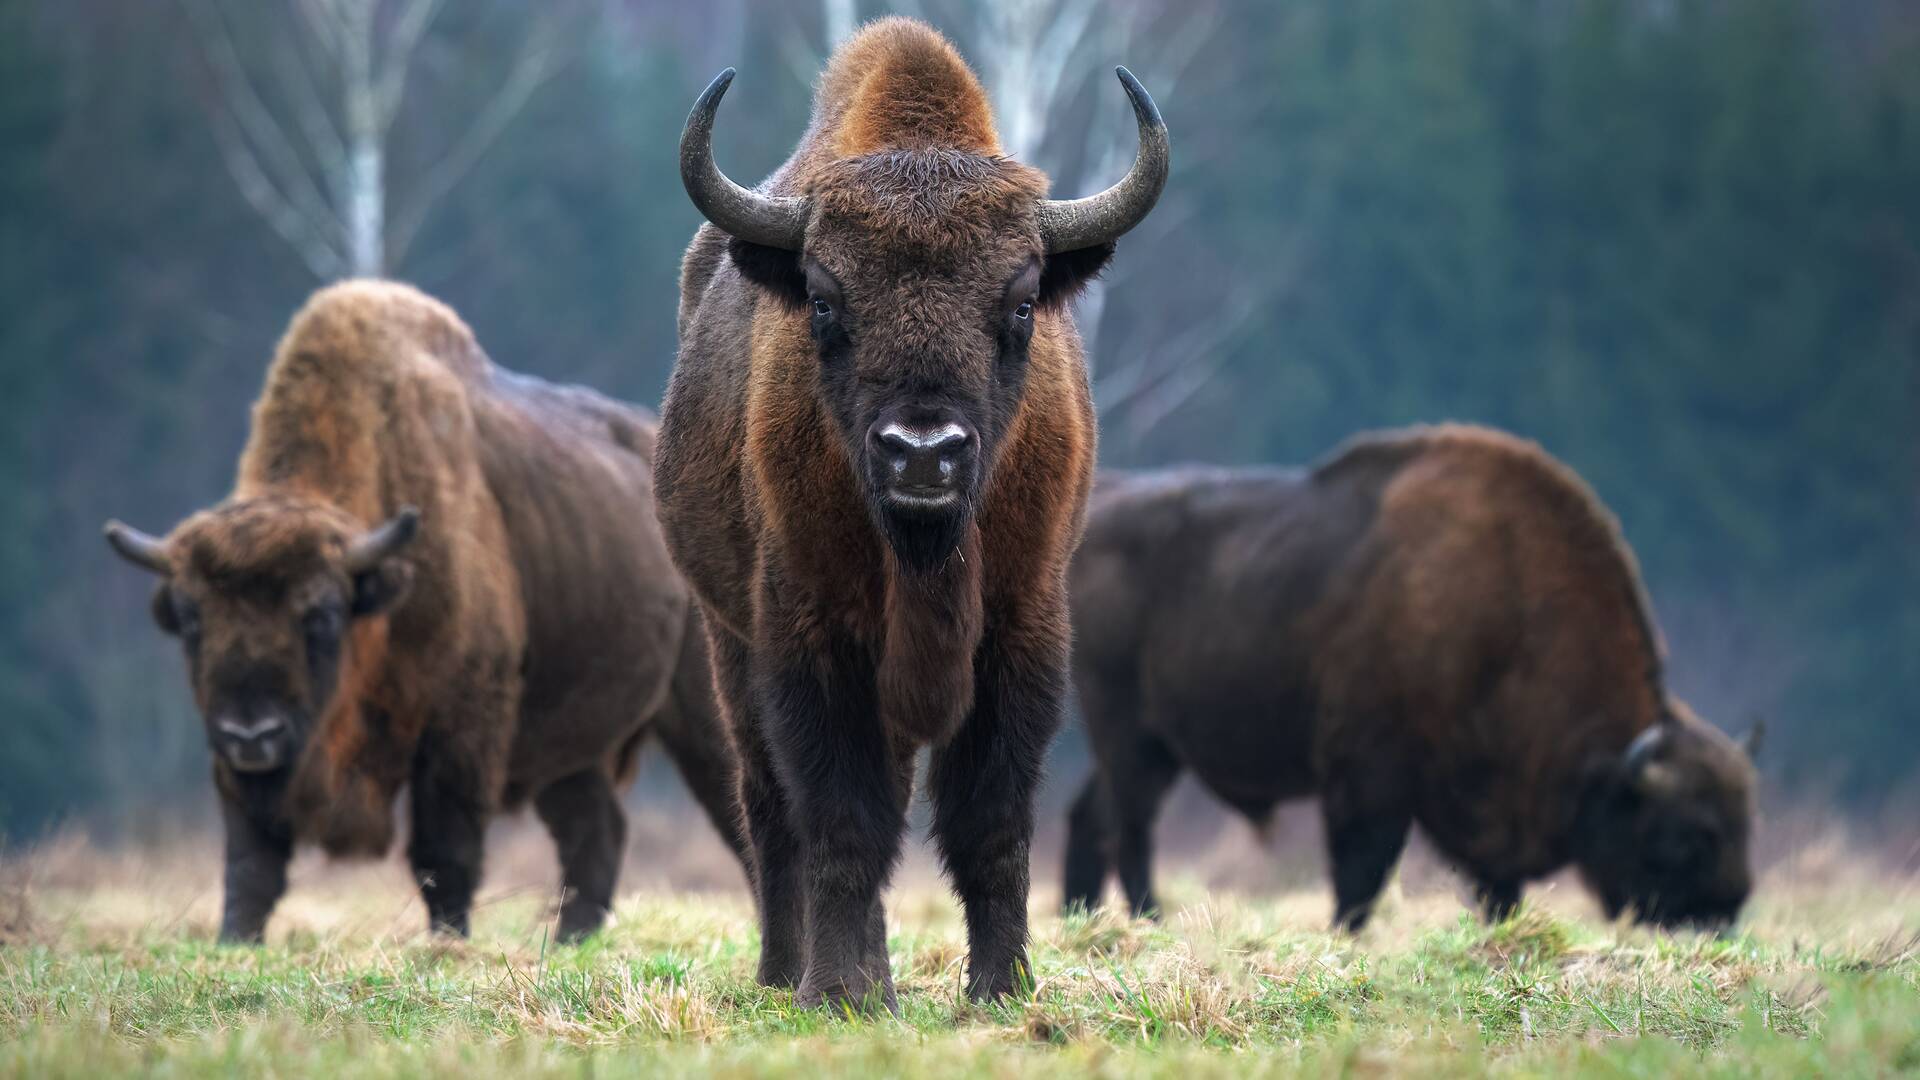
(397, 532)
(1072, 224)
(775, 221)
(143, 551)
(1644, 748)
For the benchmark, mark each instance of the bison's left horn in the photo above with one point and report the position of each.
(1072, 224)
(395, 533)
(1641, 766)
(1755, 737)
(776, 221)
(143, 551)
(1643, 749)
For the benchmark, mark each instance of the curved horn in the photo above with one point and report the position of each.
(395, 533)
(1072, 224)
(1643, 749)
(1755, 737)
(776, 221)
(1642, 769)
(143, 551)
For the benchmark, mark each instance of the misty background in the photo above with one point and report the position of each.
(1675, 241)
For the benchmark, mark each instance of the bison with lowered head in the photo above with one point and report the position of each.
(431, 573)
(874, 461)
(1440, 625)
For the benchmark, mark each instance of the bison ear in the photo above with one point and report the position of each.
(773, 269)
(1067, 273)
(382, 588)
(165, 615)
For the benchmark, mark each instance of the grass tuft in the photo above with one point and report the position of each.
(118, 973)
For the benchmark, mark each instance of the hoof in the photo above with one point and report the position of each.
(777, 974)
(1014, 981)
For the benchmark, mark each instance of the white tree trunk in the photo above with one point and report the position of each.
(365, 210)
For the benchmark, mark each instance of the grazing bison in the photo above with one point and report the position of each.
(1441, 625)
(436, 573)
(874, 461)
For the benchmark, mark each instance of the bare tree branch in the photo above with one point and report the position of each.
(538, 63)
(392, 67)
(1152, 388)
(323, 25)
(341, 72)
(271, 153)
(316, 122)
(297, 229)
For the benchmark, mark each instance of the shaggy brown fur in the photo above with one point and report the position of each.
(519, 648)
(848, 631)
(1440, 625)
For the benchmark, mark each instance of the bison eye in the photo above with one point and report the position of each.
(822, 309)
(186, 617)
(1024, 311)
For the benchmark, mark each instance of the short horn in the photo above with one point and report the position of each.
(1072, 224)
(395, 533)
(1643, 749)
(1754, 739)
(776, 221)
(143, 551)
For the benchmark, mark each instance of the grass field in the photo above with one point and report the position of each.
(107, 966)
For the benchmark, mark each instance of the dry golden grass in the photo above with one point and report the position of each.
(107, 964)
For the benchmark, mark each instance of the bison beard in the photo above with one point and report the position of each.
(923, 541)
(874, 460)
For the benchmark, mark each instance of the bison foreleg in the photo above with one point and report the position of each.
(836, 767)
(590, 830)
(256, 873)
(449, 827)
(982, 784)
(1498, 898)
(1366, 828)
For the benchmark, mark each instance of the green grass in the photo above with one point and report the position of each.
(115, 973)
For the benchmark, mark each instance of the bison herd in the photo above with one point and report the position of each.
(851, 537)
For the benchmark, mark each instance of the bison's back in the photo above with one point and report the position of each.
(605, 611)
(1188, 593)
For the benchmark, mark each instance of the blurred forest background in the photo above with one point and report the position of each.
(1676, 241)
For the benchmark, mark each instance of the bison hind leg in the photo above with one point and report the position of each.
(1137, 781)
(1088, 842)
(590, 829)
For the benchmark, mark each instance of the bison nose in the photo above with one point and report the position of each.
(257, 745)
(924, 458)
